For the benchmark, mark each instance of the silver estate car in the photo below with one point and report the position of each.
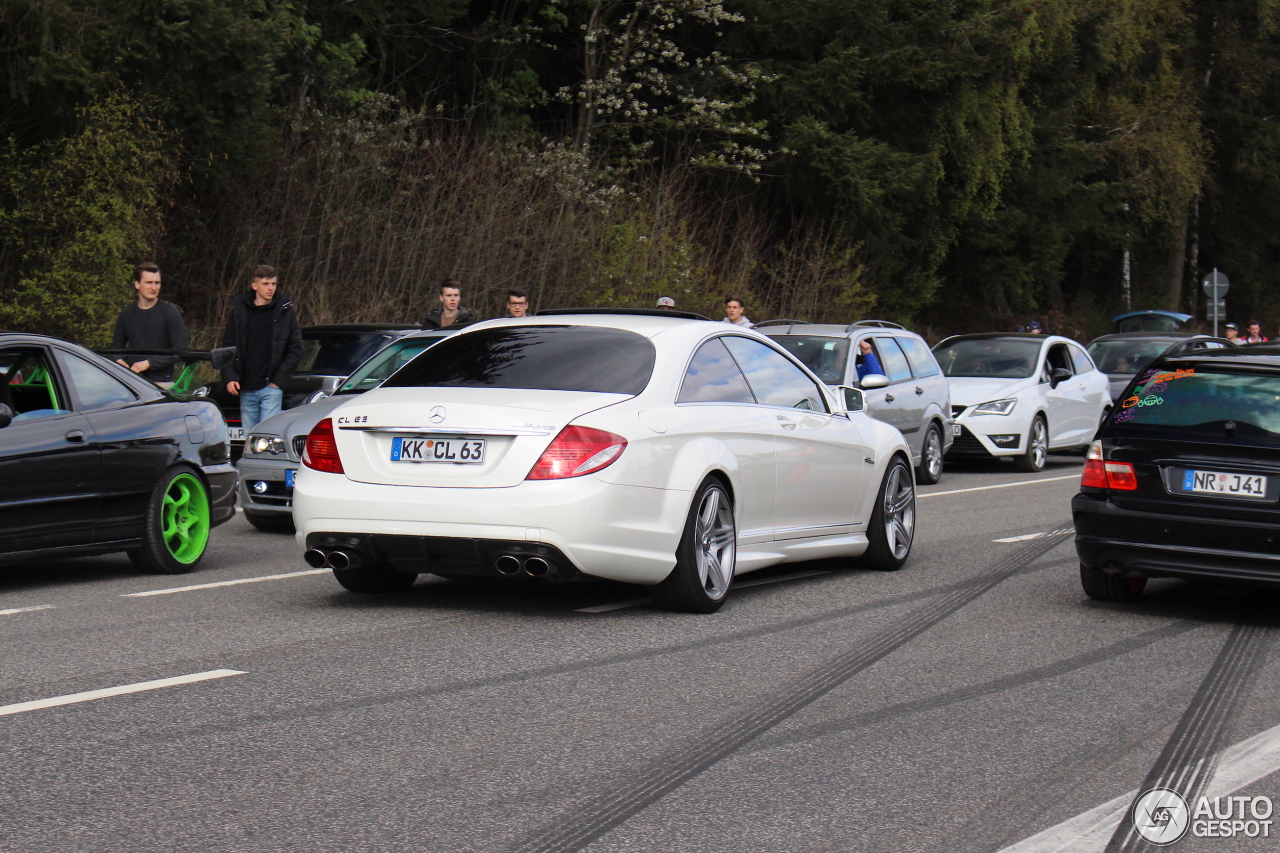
(273, 452)
(910, 392)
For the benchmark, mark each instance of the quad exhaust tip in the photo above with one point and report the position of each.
(318, 559)
(339, 560)
(507, 564)
(537, 567)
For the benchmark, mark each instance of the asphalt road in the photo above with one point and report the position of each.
(969, 702)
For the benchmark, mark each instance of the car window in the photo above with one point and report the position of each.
(94, 387)
(893, 360)
(774, 380)
(338, 353)
(1011, 358)
(714, 377)
(545, 358)
(1059, 357)
(922, 363)
(825, 356)
(27, 385)
(1127, 356)
(373, 372)
(1080, 359)
(1204, 400)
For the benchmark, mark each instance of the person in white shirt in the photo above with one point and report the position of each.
(733, 308)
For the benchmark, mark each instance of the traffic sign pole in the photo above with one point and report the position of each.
(1216, 285)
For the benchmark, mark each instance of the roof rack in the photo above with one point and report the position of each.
(642, 312)
(883, 324)
(783, 323)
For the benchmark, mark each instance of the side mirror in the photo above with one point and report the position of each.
(852, 398)
(222, 357)
(874, 380)
(6, 415)
(1059, 374)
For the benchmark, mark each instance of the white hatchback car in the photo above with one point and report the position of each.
(654, 450)
(1021, 395)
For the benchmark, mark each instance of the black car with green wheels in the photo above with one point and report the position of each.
(1183, 479)
(95, 459)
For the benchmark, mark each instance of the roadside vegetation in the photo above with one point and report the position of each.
(955, 166)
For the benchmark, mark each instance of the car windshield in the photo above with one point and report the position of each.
(1007, 358)
(373, 372)
(338, 353)
(1203, 400)
(824, 356)
(548, 358)
(1127, 357)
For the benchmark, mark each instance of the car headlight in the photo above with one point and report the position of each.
(265, 444)
(317, 395)
(995, 407)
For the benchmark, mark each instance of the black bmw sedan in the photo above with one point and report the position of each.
(95, 459)
(1184, 478)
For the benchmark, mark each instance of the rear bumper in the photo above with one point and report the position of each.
(1148, 544)
(222, 492)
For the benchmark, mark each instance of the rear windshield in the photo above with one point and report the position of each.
(338, 353)
(547, 358)
(824, 356)
(1127, 357)
(1008, 358)
(1203, 400)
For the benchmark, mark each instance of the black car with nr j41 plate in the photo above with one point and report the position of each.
(1183, 479)
(96, 459)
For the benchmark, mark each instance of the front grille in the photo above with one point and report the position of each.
(299, 444)
(957, 411)
(967, 444)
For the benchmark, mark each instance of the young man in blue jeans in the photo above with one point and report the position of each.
(264, 330)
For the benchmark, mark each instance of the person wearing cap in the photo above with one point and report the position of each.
(666, 303)
(1034, 327)
(1232, 333)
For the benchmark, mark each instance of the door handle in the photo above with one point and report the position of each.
(75, 436)
(919, 391)
(888, 398)
(786, 424)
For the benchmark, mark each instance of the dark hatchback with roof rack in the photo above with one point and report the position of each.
(1183, 480)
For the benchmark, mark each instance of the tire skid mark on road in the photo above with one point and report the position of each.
(987, 688)
(520, 676)
(1189, 758)
(599, 814)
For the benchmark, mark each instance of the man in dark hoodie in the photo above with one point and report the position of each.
(264, 330)
(450, 310)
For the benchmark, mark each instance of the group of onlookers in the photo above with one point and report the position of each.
(1254, 334)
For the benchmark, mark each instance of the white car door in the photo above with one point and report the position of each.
(821, 458)
(715, 403)
(1065, 398)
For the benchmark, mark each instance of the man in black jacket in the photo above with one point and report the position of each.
(450, 310)
(150, 323)
(264, 330)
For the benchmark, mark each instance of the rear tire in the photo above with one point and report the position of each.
(930, 470)
(1036, 456)
(374, 579)
(1101, 586)
(893, 522)
(177, 525)
(706, 556)
(269, 522)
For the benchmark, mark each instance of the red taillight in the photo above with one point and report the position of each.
(321, 452)
(1104, 474)
(578, 450)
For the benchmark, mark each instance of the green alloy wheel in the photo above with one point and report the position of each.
(177, 525)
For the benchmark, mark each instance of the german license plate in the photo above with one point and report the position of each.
(460, 451)
(1218, 483)
(288, 478)
(235, 433)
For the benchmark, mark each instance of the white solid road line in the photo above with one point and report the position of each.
(223, 583)
(637, 602)
(13, 610)
(1240, 765)
(90, 695)
(1001, 486)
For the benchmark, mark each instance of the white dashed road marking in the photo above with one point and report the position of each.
(13, 610)
(90, 695)
(1026, 537)
(1000, 486)
(151, 592)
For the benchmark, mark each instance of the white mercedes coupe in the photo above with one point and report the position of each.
(631, 445)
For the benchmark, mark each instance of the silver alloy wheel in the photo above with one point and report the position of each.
(1038, 443)
(899, 511)
(933, 454)
(715, 544)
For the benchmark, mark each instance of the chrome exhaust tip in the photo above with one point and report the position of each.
(339, 560)
(316, 558)
(537, 567)
(507, 564)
